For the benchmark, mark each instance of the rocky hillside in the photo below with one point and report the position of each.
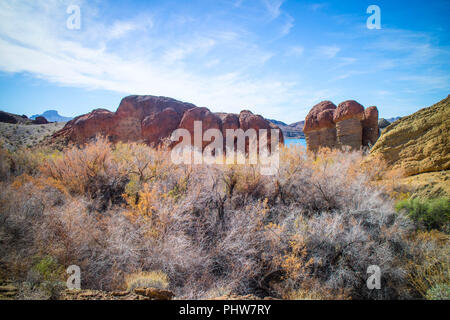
(293, 130)
(12, 118)
(419, 142)
(15, 136)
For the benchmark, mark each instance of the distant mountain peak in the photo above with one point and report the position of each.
(52, 115)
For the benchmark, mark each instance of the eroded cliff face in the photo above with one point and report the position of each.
(152, 120)
(345, 125)
(418, 143)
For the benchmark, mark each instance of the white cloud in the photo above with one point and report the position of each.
(121, 28)
(287, 26)
(328, 52)
(180, 52)
(273, 7)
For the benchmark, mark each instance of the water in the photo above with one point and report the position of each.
(290, 142)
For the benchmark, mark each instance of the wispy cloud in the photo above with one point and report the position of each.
(273, 7)
(287, 26)
(121, 28)
(317, 6)
(328, 52)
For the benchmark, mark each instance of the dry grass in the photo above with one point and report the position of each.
(152, 279)
(431, 266)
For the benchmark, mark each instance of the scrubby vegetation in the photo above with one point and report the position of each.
(20, 135)
(153, 279)
(127, 215)
(427, 213)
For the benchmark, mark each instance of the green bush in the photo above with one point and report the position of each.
(49, 269)
(427, 213)
(44, 279)
(439, 292)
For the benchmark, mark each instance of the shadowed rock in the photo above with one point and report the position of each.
(39, 120)
(371, 132)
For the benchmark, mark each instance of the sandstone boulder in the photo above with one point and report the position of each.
(208, 120)
(319, 128)
(348, 116)
(346, 125)
(159, 126)
(85, 127)
(248, 120)
(134, 109)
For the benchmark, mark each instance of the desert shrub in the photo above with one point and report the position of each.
(4, 163)
(430, 265)
(90, 170)
(26, 161)
(336, 248)
(152, 279)
(427, 214)
(439, 292)
(45, 279)
(49, 269)
(309, 231)
(20, 161)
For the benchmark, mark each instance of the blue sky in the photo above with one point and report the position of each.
(276, 58)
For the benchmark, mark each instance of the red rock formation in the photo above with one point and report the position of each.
(346, 125)
(347, 117)
(134, 109)
(160, 125)
(87, 126)
(319, 129)
(371, 131)
(248, 120)
(229, 121)
(208, 120)
(39, 120)
(153, 119)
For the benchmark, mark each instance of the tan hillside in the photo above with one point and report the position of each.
(419, 142)
(14, 136)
